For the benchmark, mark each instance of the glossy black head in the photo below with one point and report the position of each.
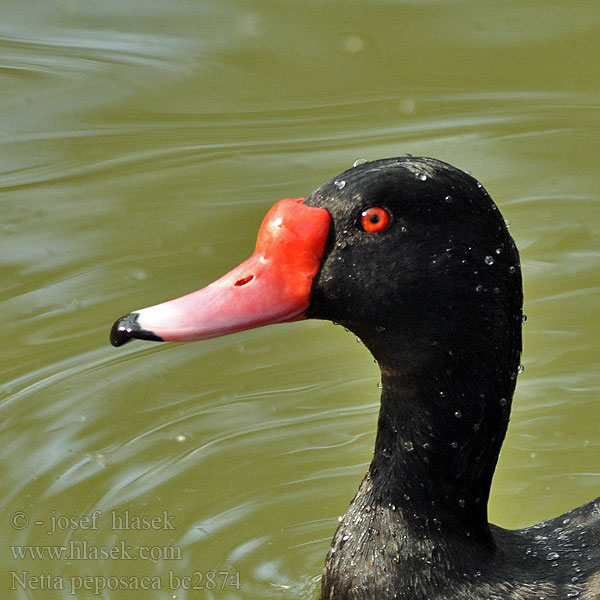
(442, 273)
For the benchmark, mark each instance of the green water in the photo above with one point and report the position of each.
(141, 143)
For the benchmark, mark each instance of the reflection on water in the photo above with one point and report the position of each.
(140, 149)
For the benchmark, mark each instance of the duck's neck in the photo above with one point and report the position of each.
(437, 445)
(420, 515)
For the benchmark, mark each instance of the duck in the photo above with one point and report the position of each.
(412, 255)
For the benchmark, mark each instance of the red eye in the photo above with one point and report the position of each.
(374, 219)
